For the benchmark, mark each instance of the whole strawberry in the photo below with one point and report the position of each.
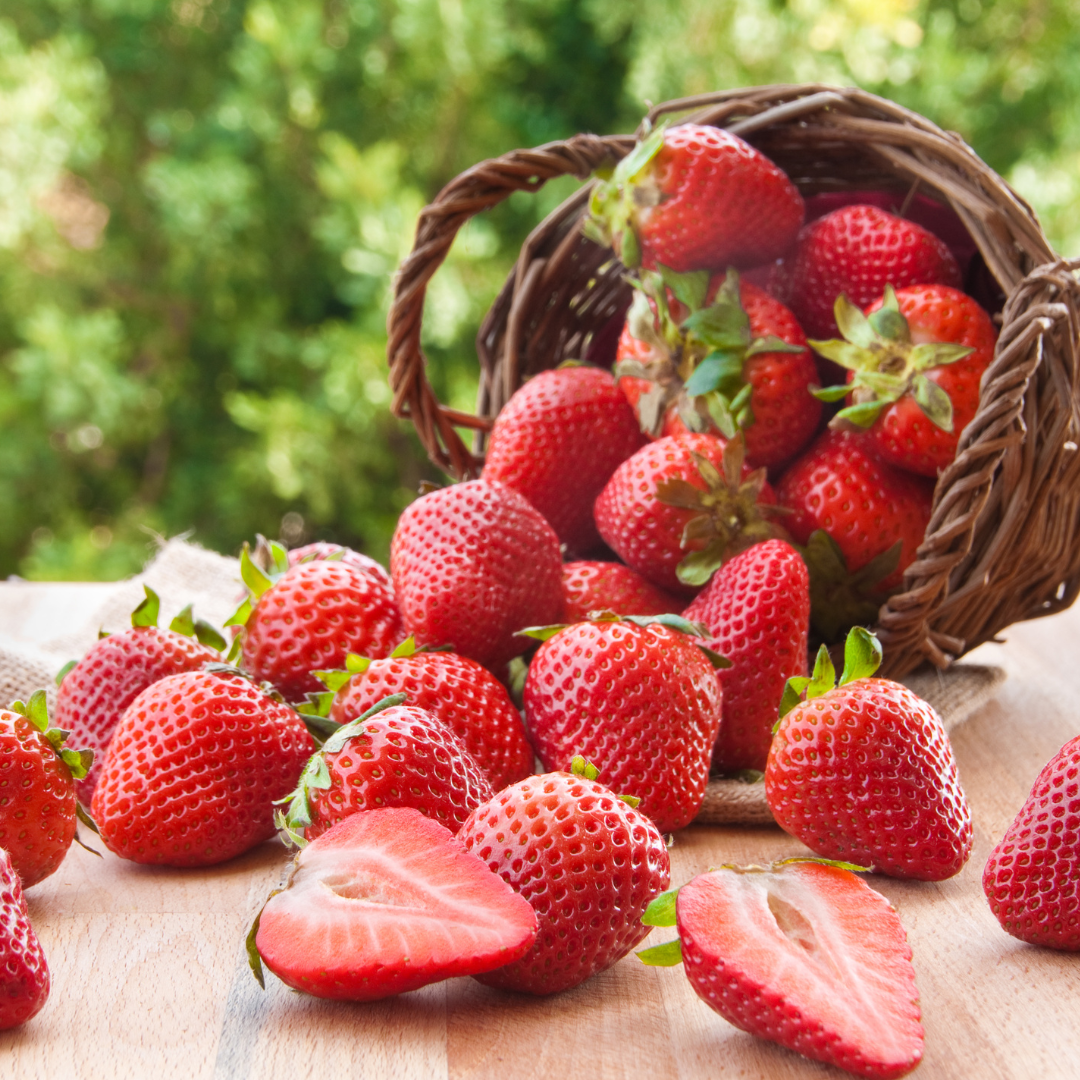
(37, 789)
(757, 611)
(95, 692)
(640, 701)
(607, 586)
(312, 617)
(681, 506)
(914, 364)
(557, 441)
(460, 693)
(1032, 878)
(320, 550)
(587, 862)
(857, 251)
(864, 772)
(473, 564)
(194, 768)
(24, 975)
(695, 197)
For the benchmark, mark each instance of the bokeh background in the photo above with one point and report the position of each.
(202, 201)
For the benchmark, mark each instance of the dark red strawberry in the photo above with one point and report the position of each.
(1032, 878)
(473, 564)
(557, 441)
(695, 197)
(24, 975)
(857, 251)
(607, 586)
(586, 861)
(863, 771)
(757, 611)
(117, 668)
(386, 902)
(194, 768)
(640, 701)
(681, 505)
(466, 697)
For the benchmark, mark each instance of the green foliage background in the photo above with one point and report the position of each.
(201, 202)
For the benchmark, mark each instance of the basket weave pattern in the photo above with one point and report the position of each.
(1002, 543)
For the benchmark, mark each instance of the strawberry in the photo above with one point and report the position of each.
(460, 693)
(194, 767)
(914, 366)
(858, 250)
(695, 197)
(757, 611)
(803, 954)
(681, 505)
(863, 771)
(320, 550)
(472, 564)
(606, 586)
(587, 862)
(312, 616)
(95, 691)
(719, 354)
(385, 902)
(24, 975)
(865, 505)
(390, 755)
(557, 441)
(636, 697)
(37, 789)
(1032, 878)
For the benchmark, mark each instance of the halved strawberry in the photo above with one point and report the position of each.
(388, 901)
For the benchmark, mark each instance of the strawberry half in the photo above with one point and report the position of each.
(24, 974)
(385, 902)
(803, 954)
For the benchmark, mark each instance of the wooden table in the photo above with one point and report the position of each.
(150, 978)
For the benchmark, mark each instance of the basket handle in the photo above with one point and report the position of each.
(480, 188)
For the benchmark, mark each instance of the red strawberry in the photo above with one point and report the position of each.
(695, 197)
(466, 697)
(607, 586)
(24, 975)
(473, 564)
(864, 771)
(390, 755)
(914, 371)
(587, 862)
(858, 250)
(37, 789)
(720, 354)
(680, 506)
(1032, 878)
(641, 701)
(95, 692)
(557, 441)
(865, 505)
(757, 611)
(312, 617)
(193, 770)
(806, 955)
(321, 550)
(388, 901)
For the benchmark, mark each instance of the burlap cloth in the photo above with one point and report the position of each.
(182, 573)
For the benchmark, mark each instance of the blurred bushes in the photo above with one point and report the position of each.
(201, 202)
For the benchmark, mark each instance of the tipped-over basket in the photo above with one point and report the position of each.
(1002, 544)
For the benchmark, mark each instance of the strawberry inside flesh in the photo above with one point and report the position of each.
(385, 902)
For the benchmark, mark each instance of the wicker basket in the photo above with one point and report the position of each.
(1002, 541)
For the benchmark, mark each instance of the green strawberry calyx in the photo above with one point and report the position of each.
(698, 365)
(579, 766)
(729, 516)
(862, 657)
(146, 614)
(886, 363)
(37, 712)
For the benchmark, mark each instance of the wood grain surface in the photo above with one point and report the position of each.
(150, 979)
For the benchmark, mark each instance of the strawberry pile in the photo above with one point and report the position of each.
(477, 754)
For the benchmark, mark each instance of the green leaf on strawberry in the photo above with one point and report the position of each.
(862, 657)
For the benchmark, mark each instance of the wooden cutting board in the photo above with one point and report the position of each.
(150, 978)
